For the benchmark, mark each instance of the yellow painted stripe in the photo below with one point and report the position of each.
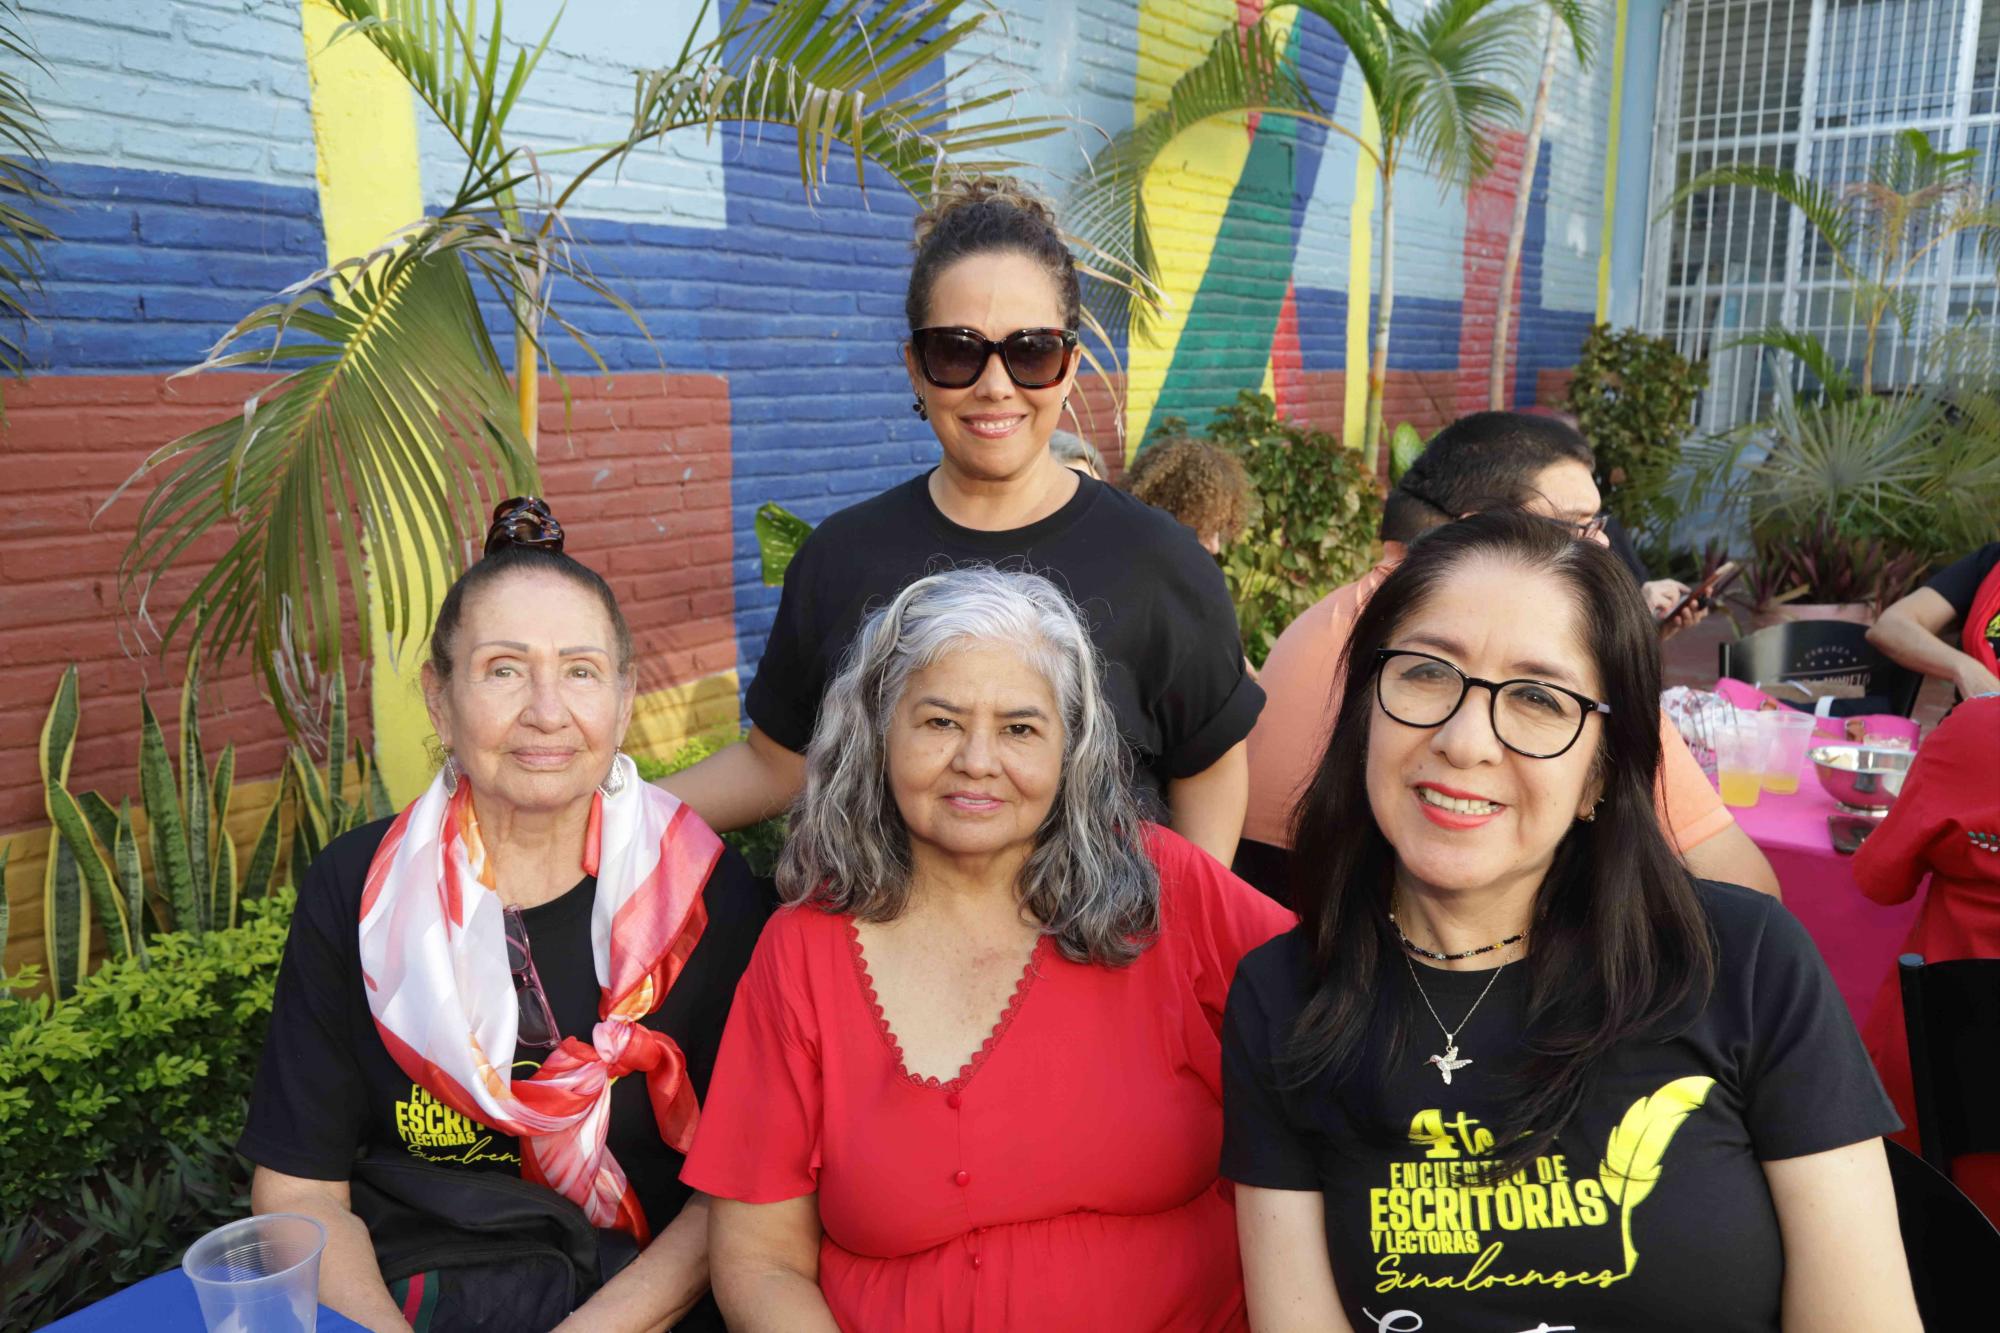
(1611, 164)
(1360, 252)
(665, 720)
(370, 186)
(1187, 193)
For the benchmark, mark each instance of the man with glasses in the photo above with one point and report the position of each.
(1488, 460)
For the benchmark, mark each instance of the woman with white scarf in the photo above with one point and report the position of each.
(466, 985)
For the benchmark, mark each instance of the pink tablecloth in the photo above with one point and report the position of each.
(1858, 939)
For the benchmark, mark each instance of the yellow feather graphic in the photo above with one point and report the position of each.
(1632, 1158)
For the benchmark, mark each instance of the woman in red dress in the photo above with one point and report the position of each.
(972, 1076)
(1945, 824)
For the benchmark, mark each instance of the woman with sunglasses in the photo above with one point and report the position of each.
(993, 308)
(1517, 1068)
(466, 986)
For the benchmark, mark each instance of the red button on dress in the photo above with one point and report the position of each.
(963, 1177)
(951, 1100)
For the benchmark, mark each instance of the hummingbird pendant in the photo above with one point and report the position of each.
(1448, 1062)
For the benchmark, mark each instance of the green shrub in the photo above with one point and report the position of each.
(118, 1108)
(760, 843)
(1313, 520)
(1633, 398)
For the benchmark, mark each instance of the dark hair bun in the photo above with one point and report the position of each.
(524, 520)
(982, 215)
(993, 193)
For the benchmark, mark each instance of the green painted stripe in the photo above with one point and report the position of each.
(1234, 317)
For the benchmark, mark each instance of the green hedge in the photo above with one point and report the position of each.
(119, 1106)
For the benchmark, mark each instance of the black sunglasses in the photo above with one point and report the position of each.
(1533, 718)
(537, 1022)
(524, 520)
(954, 358)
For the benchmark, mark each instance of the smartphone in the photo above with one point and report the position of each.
(1704, 592)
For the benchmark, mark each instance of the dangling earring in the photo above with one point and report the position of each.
(450, 774)
(922, 409)
(614, 781)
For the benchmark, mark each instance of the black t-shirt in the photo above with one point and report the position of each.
(1959, 582)
(328, 1091)
(1155, 602)
(1769, 1068)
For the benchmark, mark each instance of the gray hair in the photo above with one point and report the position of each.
(1089, 881)
(1069, 448)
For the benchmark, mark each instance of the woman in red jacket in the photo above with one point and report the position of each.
(1946, 824)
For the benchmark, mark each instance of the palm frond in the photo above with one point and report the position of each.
(454, 68)
(23, 152)
(393, 423)
(1810, 351)
(1453, 79)
(1362, 27)
(1577, 21)
(1857, 461)
(1822, 205)
(1248, 71)
(390, 427)
(1910, 164)
(840, 74)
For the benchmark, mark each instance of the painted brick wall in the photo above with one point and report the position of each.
(768, 365)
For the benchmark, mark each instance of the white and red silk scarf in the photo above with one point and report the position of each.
(434, 961)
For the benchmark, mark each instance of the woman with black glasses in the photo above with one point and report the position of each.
(992, 357)
(467, 987)
(1517, 1068)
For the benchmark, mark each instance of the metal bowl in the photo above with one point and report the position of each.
(1865, 779)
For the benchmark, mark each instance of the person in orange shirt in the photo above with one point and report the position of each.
(1488, 460)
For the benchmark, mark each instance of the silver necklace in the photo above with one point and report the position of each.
(1449, 1061)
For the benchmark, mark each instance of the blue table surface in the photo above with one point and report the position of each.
(163, 1303)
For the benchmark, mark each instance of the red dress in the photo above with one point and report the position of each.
(1066, 1179)
(1944, 824)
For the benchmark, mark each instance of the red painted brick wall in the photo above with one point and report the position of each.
(68, 443)
(638, 471)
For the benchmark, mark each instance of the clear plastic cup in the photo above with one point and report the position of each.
(258, 1274)
(1787, 737)
(1739, 758)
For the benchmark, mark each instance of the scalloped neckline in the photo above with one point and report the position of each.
(1029, 971)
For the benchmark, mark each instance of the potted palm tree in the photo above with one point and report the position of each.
(1850, 488)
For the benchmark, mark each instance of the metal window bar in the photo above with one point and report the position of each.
(1821, 86)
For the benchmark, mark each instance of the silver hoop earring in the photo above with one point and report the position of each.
(450, 774)
(614, 781)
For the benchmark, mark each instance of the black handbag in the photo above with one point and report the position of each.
(482, 1250)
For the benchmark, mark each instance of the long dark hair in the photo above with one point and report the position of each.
(1619, 943)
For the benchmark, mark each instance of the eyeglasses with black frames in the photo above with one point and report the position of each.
(1587, 528)
(1533, 718)
(955, 358)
